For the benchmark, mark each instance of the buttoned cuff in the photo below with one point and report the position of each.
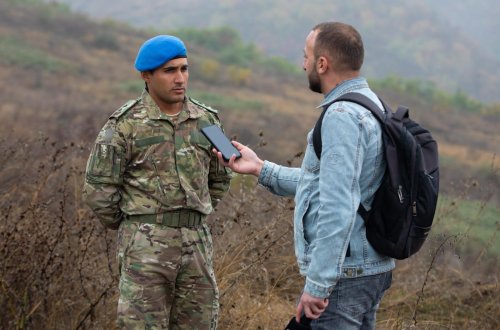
(266, 174)
(316, 290)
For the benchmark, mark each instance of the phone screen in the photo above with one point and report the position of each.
(215, 135)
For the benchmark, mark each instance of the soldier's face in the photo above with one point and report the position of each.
(168, 83)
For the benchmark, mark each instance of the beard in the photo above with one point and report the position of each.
(314, 82)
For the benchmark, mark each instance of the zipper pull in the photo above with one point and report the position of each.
(400, 194)
(414, 208)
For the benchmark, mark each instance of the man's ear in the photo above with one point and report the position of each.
(145, 75)
(322, 64)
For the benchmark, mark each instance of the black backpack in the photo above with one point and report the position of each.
(404, 205)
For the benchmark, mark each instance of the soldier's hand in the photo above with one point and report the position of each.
(248, 163)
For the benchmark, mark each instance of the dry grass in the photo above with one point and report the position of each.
(58, 267)
(470, 156)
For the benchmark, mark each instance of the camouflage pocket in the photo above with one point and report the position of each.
(131, 291)
(126, 232)
(104, 161)
(200, 141)
(207, 244)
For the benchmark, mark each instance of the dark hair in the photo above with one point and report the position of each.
(341, 43)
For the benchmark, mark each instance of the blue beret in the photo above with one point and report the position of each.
(158, 50)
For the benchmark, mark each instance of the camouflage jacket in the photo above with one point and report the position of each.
(144, 163)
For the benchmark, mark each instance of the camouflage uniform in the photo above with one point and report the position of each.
(156, 179)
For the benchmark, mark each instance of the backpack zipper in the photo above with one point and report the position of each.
(400, 194)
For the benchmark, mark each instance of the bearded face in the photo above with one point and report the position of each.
(314, 81)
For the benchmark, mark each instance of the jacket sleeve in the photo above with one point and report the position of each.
(219, 180)
(104, 175)
(280, 180)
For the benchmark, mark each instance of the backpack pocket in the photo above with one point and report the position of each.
(416, 238)
(426, 201)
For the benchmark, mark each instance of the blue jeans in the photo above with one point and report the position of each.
(354, 303)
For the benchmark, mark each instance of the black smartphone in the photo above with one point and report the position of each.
(215, 135)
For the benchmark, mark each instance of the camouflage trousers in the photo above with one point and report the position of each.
(166, 278)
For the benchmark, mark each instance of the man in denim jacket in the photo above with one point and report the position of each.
(345, 276)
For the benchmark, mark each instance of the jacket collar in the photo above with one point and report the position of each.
(344, 87)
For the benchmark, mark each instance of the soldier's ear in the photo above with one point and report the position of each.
(145, 75)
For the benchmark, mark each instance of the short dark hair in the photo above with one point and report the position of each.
(341, 43)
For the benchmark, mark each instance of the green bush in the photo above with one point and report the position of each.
(225, 42)
(131, 86)
(430, 92)
(106, 40)
(475, 222)
(278, 65)
(223, 102)
(214, 39)
(17, 52)
(53, 8)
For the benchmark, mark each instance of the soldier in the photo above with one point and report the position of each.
(152, 175)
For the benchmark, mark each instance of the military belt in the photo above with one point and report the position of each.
(176, 219)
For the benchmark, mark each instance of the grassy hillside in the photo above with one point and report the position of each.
(414, 39)
(61, 75)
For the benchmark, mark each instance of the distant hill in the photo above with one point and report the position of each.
(478, 20)
(454, 44)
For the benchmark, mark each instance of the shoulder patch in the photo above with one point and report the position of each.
(123, 109)
(206, 107)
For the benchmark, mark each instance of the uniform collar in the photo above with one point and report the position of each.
(189, 110)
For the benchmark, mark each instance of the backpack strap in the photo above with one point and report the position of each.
(357, 98)
(401, 113)
(365, 102)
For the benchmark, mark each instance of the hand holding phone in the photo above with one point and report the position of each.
(220, 142)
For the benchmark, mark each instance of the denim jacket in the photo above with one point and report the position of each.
(329, 234)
